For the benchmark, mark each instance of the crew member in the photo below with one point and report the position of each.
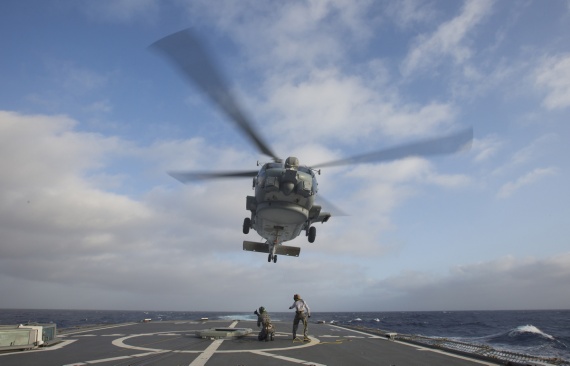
(264, 321)
(302, 312)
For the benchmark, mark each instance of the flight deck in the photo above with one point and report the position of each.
(217, 343)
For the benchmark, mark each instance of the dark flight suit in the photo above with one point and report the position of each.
(267, 331)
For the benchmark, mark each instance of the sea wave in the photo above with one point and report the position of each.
(523, 335)
(524, 330)
(527, 339)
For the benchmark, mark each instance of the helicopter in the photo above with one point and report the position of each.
(284, 202)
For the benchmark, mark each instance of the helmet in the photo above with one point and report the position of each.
(261, 309)
(291, 163)
(296, 297)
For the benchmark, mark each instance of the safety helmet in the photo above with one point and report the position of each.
(296, 297)
(261, 309)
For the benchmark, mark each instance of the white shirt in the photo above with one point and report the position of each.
(301, 305)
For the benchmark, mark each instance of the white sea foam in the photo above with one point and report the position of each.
(239, 317)
(529, 329)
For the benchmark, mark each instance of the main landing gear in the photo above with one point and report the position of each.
(312, 234)
(246, 225)
(272, 257)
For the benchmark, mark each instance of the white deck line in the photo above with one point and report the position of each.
(420, 348)
(209, 352)
(289, 359)
(94, 329)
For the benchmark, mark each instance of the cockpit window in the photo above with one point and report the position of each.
(273, 165)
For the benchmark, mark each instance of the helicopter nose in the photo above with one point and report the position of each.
(287, 187)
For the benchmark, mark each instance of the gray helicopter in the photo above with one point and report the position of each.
(285, 191)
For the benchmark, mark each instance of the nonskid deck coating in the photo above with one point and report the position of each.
(175, 343)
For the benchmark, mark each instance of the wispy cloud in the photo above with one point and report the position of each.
(486, 147)
(288, 34)
(407, 13)
(448, 40)
(533, 150)
(529, 153)
(553, 75)
(508, 189)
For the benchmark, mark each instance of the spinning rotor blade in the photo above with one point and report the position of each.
(327, 206)
(191, 58)
(186, 177)
(437, 146)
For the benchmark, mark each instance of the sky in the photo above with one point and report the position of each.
(91, 120)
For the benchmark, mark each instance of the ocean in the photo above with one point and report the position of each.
(543, 333)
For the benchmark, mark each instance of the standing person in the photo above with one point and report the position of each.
(267, 331)
(302, 312)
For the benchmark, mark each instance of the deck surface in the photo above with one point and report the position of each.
(175, 343)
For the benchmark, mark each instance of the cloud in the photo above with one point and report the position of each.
(328, 101)
(38, 147)
(71, 223)
(507, 283)
(447, 41)
(97, 223)
(302, 48)
(553, 75)
(48, 200)
(370, 193)
(508, 189)
(167, 246)
(288, 34)
(486, 147)
(407, 13)
(413, 169)
(178, 247)
(527, 154)
(533, 150)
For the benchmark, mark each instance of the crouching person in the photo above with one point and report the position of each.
(264, 321)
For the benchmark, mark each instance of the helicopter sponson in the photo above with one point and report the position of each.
(283, 206)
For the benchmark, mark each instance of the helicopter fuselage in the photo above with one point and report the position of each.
(284, 202)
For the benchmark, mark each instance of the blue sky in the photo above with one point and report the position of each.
(91, 120)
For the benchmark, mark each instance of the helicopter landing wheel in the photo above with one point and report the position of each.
(312, 234)
(246, 225)
(274, 259)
